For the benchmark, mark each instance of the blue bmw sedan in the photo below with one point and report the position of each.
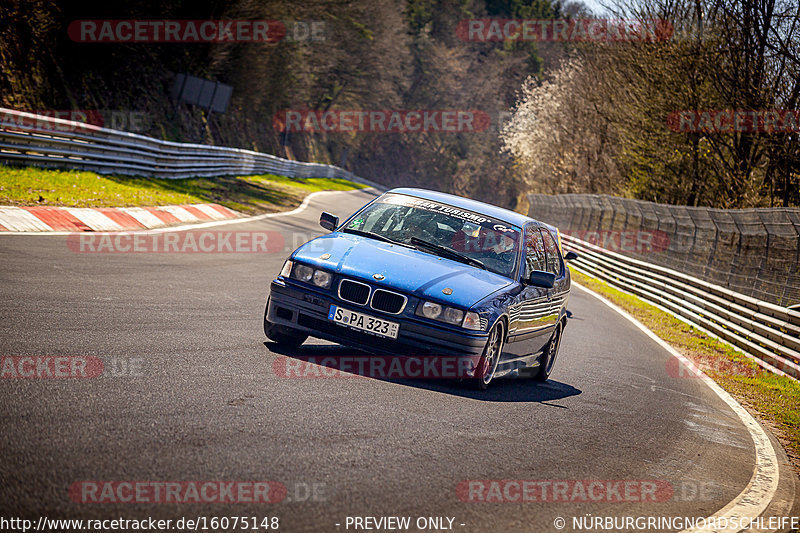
(426, 274)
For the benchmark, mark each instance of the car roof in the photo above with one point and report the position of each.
(493, 211)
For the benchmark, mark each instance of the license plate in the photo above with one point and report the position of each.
(370, 324)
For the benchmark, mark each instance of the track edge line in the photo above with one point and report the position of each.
(763, 485)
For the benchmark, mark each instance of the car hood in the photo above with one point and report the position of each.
(406, 269)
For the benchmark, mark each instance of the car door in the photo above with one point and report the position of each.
(555, 264)
(530, 315)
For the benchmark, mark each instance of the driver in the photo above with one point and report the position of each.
(503, 244)
(495, 242)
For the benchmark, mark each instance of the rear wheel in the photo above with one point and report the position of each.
(550, 354)
(487, 366)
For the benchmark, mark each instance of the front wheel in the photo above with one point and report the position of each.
(549, 354)
(284, 336)
(487, 366)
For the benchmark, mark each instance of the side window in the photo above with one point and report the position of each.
(535, 258)
(553, 257)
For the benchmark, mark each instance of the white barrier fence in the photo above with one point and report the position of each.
(764, 330)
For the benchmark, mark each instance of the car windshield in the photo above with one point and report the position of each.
(441, 229)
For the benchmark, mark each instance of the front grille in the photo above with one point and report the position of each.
(353, 291)
(388, 302)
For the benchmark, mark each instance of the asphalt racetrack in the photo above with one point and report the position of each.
(189, 392)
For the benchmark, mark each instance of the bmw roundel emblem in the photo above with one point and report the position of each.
(447, 290)
(379, 277)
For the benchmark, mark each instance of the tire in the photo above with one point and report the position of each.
(549, 355)
(487, 366)
(282, 335)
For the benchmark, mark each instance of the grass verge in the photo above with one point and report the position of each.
(31, 186)
(773, 399)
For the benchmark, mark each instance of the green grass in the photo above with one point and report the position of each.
(26, 186)
(774, 399)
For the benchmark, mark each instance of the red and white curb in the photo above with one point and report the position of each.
(79, 219)
(231, 217)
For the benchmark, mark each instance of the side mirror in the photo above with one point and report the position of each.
(540, 278)
(570, 256)
(328, 221)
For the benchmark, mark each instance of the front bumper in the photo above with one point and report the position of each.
(307, 311)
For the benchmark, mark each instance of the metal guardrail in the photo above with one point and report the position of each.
(764, 330)
(47, 141)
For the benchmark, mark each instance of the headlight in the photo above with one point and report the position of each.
(286, 271)
(430, 310)
(449, 315)
(307, 274)
(303, 272)
(453, 316)
(322, 279)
